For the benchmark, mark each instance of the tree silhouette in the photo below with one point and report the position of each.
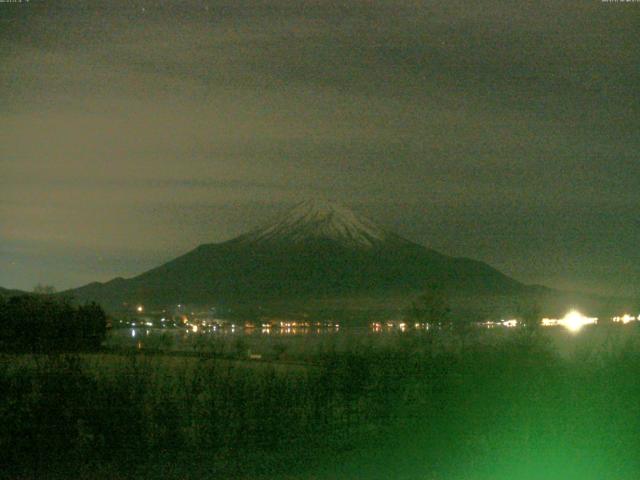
(41, 289)
(529, 316)
(431, 307)
(44, 323)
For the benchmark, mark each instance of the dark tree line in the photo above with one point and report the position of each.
(431, 307)
(44, 323)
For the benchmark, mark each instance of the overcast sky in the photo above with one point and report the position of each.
(132, 131)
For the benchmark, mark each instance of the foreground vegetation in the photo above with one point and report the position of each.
(42, 323)
(431, 406)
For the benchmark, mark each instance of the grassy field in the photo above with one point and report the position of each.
(489, 405)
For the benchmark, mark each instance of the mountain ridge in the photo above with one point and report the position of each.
(11, 292)
(315, 250)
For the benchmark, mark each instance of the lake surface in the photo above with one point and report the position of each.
(302, 341)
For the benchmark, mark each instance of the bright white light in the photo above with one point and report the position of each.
(133, 333)
(194, 328)
(574, 321)
(140, 308)
(510, 323)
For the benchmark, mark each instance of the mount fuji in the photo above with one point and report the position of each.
(317, 250)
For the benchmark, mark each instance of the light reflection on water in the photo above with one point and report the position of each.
(189, 333)
(136, 332)
(205, 339)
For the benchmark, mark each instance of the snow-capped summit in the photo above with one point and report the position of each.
(320, 219)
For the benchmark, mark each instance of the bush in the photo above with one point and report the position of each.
(45, 324)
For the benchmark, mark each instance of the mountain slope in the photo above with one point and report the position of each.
(5, 292)
(315, 250)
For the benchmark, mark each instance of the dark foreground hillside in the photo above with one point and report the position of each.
(424, 407)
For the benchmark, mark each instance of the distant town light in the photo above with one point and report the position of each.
(139, 308)
(626, 318)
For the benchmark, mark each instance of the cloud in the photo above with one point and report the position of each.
(118, 123)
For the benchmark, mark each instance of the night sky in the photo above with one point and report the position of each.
(130, 132)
